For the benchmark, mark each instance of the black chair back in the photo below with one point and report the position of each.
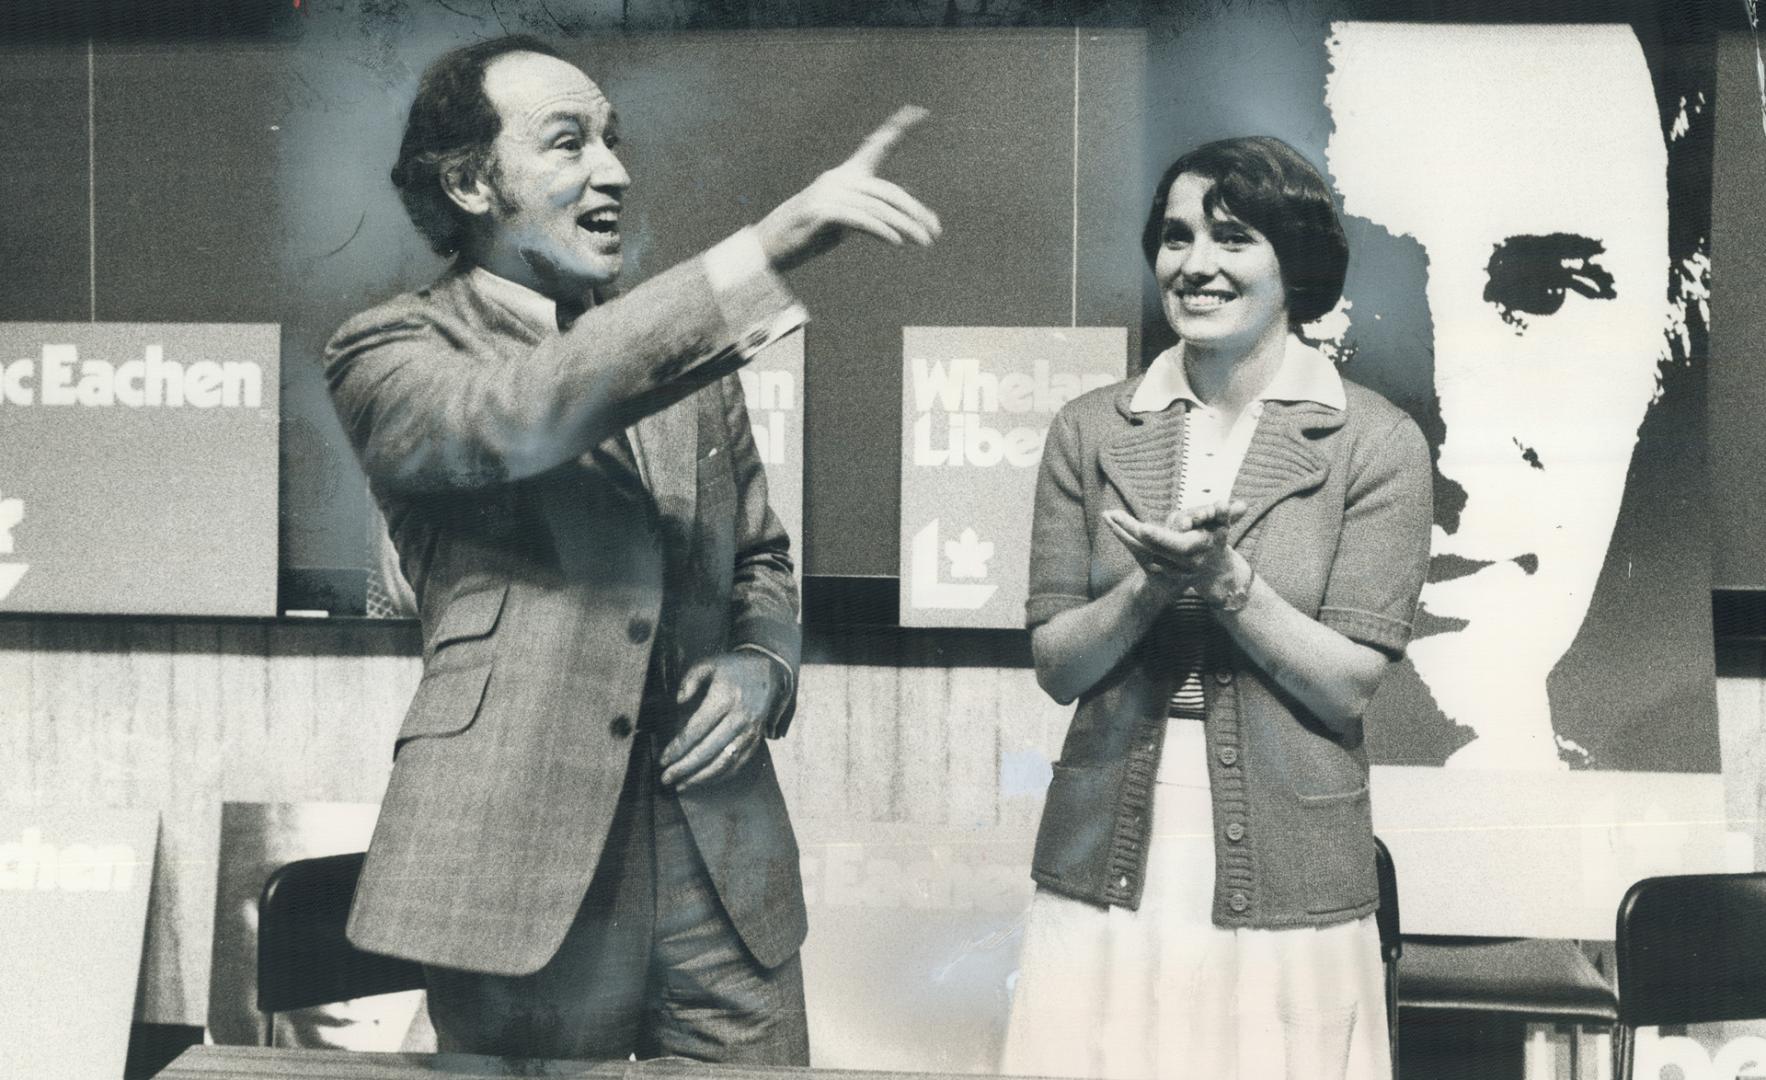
(304, 959)
(1391, 934)
(1692, 949)
(1391, 938)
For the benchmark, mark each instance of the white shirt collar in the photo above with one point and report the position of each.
(1305, 375)
(534, 308)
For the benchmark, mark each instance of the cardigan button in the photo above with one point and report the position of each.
(1239, 901)
(1122, 882)
(1235, 832)
(1229, 755)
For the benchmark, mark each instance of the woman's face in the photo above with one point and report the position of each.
(1219, 281)
(1531, 168)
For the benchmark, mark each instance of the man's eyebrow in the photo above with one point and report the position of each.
(562, 115)
(551, 113)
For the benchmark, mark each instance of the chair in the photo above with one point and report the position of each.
(1692, 949)
(304, 959)
(1391, 937)
(1527, 980)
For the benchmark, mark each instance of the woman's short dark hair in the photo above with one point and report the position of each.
(452, 123)
(1265, 183)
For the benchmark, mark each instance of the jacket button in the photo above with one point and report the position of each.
(1229, 755)
(1235, 832)
(1239, 901)
(638, 629)
(621, 727)
(1223, 677)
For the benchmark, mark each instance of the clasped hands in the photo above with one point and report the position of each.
(735, 692)
(1189, 551)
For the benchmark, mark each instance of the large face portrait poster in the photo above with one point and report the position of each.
(1528, 217)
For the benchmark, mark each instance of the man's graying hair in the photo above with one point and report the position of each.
(452, 124)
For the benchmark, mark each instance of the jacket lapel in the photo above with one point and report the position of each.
(1141, 462)
(669, 443)
(1282, 459)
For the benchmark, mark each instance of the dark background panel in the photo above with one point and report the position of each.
(716, 130)
(189, 230)
(43, 130)
(199, 166)
(715, 145)
(1737, 446)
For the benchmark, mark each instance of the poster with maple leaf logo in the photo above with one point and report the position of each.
(977, 402)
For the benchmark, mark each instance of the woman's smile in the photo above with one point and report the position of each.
(1203, 301)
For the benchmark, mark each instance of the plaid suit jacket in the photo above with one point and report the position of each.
(544, 585)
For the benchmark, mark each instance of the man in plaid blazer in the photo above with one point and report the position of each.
(583, 840)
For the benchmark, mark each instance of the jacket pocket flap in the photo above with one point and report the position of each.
(446, 703)
(473, 615)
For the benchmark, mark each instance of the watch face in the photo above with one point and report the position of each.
(1241, 593)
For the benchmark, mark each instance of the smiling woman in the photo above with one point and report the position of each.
(1225, 558)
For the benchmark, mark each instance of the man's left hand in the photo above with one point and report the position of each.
(735, 693)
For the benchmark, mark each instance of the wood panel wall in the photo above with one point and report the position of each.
(935, 731)
(181, 717)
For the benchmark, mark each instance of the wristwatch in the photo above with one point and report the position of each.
(1239, 596)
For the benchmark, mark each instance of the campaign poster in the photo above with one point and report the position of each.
(977, 402)
(73, 900)
(138, 468)
(772, 384)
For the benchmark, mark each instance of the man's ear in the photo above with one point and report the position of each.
(467, 187)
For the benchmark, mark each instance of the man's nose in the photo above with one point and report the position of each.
(606, 173)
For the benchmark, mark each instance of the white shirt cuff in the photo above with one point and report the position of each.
(754, 300)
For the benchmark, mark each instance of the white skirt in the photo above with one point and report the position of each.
(1116, 994)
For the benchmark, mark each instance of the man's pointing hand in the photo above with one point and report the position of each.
(850, 197)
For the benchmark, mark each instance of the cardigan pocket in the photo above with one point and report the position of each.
(1073, 841)
(1315, 766)
(1341, 864)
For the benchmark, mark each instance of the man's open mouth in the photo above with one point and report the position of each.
(604, 221)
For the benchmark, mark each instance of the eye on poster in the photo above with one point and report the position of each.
(138, 471)
(977, 402)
